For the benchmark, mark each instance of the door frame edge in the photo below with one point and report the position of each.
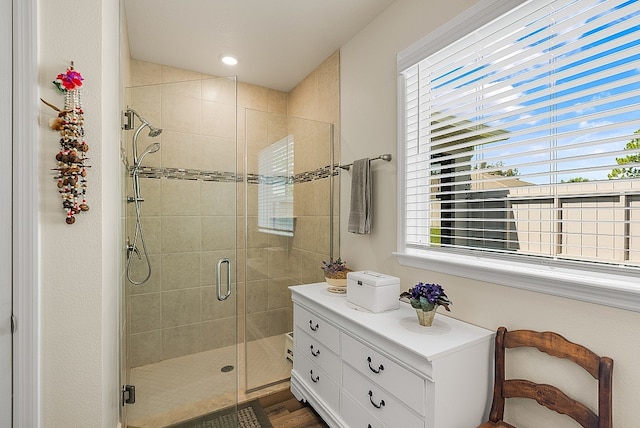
(25, 224)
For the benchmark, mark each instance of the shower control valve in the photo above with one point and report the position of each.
(132, 249)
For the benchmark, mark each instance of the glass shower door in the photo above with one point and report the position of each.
(288, 232)
(180, 324)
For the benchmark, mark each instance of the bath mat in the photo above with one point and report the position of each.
(247, 415)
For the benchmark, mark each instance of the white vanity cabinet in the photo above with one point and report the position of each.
(360, 369)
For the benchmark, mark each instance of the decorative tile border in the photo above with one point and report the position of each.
(231, 177)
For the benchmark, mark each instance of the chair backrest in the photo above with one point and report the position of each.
(600, 368)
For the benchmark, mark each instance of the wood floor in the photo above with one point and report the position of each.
(285, 411)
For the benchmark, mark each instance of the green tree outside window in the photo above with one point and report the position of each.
(632, 171)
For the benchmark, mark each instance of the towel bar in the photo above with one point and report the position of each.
(386, 157)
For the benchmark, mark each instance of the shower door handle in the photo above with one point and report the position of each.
(218, 288)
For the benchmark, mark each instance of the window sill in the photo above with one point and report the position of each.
(594, 286)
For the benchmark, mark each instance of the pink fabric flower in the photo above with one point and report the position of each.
(68, 81)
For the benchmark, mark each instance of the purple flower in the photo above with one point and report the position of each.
(428, 295)
(432, 292)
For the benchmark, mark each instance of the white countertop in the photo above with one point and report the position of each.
(399, 326)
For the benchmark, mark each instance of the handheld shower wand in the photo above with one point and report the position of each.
(135, 173)
(137, 198)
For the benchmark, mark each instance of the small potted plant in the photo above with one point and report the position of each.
(335, 272)
(425, 299)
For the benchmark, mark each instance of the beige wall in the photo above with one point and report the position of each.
(79, 264)
(369, 127)
(316, 98)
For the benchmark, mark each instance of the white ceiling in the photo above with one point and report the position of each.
(278, 42)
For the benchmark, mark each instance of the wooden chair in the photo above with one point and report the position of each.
(549, 396)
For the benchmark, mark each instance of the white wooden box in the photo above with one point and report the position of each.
(373, 291)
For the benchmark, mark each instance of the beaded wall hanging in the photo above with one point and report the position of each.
(71, 170)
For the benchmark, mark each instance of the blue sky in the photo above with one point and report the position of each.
(594, 98)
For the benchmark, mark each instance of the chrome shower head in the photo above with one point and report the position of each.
(153, 131)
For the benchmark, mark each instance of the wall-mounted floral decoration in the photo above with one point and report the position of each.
(71, 170)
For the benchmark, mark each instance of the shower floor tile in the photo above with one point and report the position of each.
(181, 388)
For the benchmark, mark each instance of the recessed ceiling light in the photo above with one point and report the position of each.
(229, 60)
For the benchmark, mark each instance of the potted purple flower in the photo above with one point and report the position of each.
(335, 272)
(425, 299)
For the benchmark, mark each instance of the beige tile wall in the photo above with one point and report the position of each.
(316, 98)
(188, 225)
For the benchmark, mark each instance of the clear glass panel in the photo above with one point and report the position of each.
(180, 338)
(288, 214)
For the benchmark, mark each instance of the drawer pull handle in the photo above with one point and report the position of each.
(316, 353)
(317, 377)
(377, 406)
(372, 369)
(312, 327)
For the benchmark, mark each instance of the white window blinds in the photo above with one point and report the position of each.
(275, 188)
(522, 137)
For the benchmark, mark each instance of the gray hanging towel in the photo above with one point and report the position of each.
(360, 208)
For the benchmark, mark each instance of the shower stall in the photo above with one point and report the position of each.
(229, 204)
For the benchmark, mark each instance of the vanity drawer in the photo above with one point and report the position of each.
(318, 353)
(407, 386)
(317, 380)
(317, 327)
(380, 403)
(355, 415)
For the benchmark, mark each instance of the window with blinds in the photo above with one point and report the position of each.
(275, 188)
(522, 137)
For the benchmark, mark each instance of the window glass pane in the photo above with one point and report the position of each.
(521, 137)
(275, 188)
